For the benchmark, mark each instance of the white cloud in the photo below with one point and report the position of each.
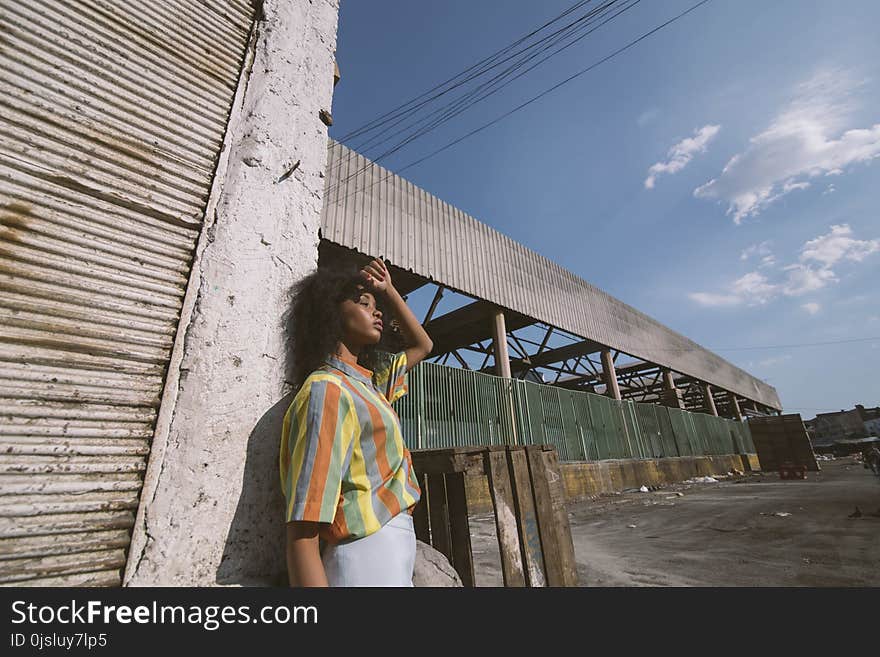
(755, 287)
(774, 360)
(811, 307)
(838, 245)
(709, 299)
(809, 138)
(648, 116)
(682, 153)
(829, 190)
(802, 279)
(813, 271)
(762, 249)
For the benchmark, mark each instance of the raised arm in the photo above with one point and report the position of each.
(418, 344)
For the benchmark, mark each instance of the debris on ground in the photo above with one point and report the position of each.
(855, 514)
(643, 489)
(632, 526)
(702, 480)
(778, 514)
(717, 537)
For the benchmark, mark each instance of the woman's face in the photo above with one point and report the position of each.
(361, 320)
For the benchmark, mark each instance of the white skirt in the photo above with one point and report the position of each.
(384, 558)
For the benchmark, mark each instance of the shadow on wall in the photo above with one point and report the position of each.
(255, 545)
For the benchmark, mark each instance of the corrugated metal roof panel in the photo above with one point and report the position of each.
(489, 265)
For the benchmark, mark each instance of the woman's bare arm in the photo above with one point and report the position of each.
(304, 567)
(419, 344)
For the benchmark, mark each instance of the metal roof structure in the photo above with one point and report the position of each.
(376, 212)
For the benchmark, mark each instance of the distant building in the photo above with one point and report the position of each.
(858, 422)
(872, 426)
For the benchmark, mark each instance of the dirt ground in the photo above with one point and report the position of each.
(731, 533)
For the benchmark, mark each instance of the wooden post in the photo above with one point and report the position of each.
(527, 520)
(420, 514)
(462, 555)
(505, 519)
(438, 511)
(553, 524)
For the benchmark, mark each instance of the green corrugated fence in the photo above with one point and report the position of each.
(449, 407)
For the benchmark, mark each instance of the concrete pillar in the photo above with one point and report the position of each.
(734, 405)
(502, 358)
(611, 388)
(708, 401)
(502, 368)
(671, 396)
(211, 510)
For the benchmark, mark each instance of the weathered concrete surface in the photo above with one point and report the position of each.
(731, 533)
(211, 510)
(433, 568)
(587, 479)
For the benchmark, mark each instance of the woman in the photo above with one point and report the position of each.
(346, 475)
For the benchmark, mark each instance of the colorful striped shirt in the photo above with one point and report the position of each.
(343, 460)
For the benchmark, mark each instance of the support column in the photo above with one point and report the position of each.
(610, 374)
(734, 405)
(671, 396)
(502, 366)
(502, 359)
(708, 401)
(211, 512)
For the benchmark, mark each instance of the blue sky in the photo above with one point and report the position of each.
(721, 176)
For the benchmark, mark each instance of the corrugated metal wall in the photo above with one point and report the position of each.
(450, 407)
(374, 211)
(113, 114)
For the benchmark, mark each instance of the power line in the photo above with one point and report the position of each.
(554, 87)
(537, 97)
(802, 344)
(495, 84)
(427, 123)
(391, 114)
(537, 48)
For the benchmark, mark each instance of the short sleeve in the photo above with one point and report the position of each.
(318, 433)
(390, 376)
